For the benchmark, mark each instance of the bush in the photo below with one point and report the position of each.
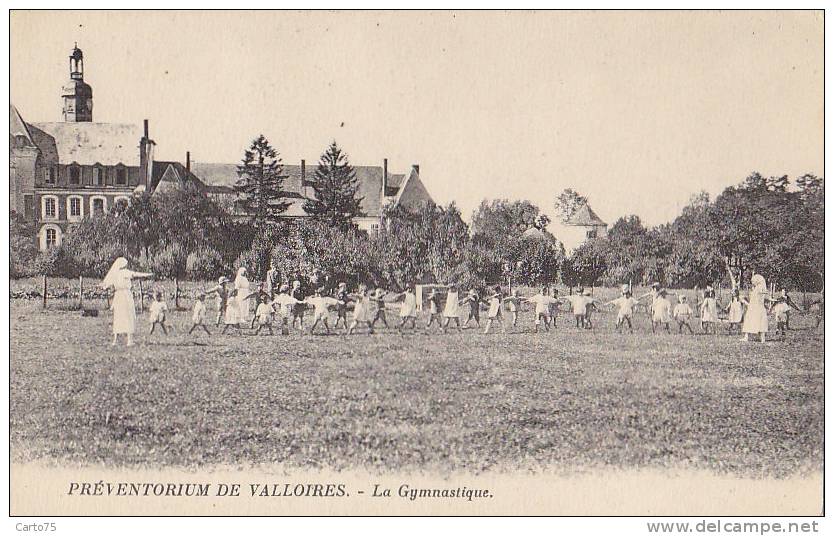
(22, 247)
(205, 263)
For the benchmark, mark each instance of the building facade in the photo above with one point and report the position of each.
(582, 225)
(377, 188)
(61, 172)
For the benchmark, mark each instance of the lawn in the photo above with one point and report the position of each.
(565, 400)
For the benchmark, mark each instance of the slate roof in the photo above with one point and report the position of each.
(17, 126)
(88, 143)
(369, 178)
(584, 215)
(167, 174)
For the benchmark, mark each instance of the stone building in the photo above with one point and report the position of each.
(582, 225)
(61, 172)
(377, 188)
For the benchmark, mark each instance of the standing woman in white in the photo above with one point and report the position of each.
(243, 295)
(755, 320)
(124, 310)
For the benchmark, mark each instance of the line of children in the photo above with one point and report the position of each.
(286, 305)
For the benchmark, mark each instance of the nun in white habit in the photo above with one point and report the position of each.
(755, 319)
(124, 310)
(243, 295)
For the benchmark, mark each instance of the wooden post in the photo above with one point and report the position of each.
(141, 297)
(177, 292)
(80, 291)
(44, 291)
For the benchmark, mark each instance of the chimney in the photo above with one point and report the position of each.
(188, 161)
(384, 177)
(146, 129)
(416, 168)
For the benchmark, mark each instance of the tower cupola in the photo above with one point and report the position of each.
(76, 94)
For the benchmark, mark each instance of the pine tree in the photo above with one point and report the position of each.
(259, 183)
(335, 187)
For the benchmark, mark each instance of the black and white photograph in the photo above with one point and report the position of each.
(422, 263)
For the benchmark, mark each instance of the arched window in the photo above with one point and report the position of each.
(98, 205)
(50, 237)
(75, 208)
(49, 207)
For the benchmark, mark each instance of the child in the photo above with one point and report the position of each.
(452, 309)
(784, 297)
(263, 314)
(282, 304)
(342, 299)
(735, 312)
(231, 317)
(543, 303)
(298, 308)
(661, 309)
(434, 310)
(261, 296)
(554, 306)
(709, 310)
(157, 311)
(222, 293)
(494, 312)
(408, 311)
(625, 309)
(513, 302)
(198, 314)
(781, 310)
(590, 307)
(320, 304)
(682, 314)
(378, 299)
(579, 303)
(474, 301)
(360, 311)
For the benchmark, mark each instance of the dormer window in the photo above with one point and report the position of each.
(50, 175)
(121, 176)
(75, 175)
(98, 175)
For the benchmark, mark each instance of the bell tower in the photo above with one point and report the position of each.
(77, 94)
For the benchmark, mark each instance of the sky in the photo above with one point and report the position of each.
(637, 111)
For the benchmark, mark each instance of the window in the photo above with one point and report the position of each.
(75, 210)
(98, 205)
(50, 175)
(121, 176)
(374, 227)
(29, 207)
(98, 176)
(75, 175)
(51, 238)
(591, 233)
(50, 207)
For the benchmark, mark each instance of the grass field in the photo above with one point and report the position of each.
(568, 399)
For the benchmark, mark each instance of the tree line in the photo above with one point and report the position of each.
(768, 225)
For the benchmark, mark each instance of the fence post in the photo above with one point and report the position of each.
(80, 291)
(141, 297)
(177, 292)
(44, 291)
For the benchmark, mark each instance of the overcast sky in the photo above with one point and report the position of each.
(637, 111)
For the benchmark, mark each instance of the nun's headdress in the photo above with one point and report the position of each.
(113, 274)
